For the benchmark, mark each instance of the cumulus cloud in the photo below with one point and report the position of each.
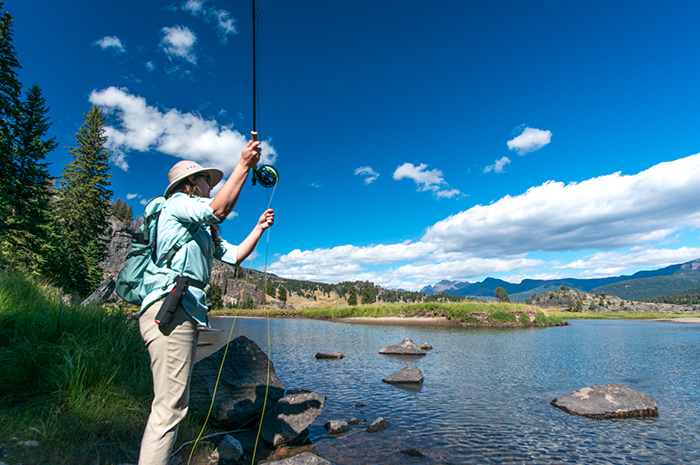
(607, 212)
(498, 166)
(178, 43)
(626, 217)
(369, 174)
(427, 180)
(112, 43)
(224, 23)
(131, 196)
(530, 140)
(141, 127)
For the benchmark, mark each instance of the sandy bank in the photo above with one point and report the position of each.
(695, 321)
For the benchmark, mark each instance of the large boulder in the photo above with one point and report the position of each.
(101, 294)
(289, 419)
(408, 375)
(405, 347)
(240, 394)
(608, 401)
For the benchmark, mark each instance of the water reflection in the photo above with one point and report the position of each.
(486, 393)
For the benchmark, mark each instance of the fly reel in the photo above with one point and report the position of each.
(266, 175)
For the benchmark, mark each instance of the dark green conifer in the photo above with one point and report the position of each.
(367, 293)
(352, 296)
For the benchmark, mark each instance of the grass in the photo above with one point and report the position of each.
(74, 379)
(470, 313)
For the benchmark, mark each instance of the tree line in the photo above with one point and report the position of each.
(49, 227)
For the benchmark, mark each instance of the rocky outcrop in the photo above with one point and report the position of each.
(229, 450)
(405, 347)
(102, 294)
(289, 419)
(118, 239)
(240, 394)
(608, 401)
(409, 375)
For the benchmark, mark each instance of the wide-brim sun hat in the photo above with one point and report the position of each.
(185, 168)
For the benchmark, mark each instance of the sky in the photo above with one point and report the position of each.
(416, 141)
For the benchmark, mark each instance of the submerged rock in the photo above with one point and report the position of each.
(409, 375)
(405, 347)
(608, 401)
(307, 458)
(413, 453)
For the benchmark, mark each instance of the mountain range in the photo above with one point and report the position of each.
(673, 279)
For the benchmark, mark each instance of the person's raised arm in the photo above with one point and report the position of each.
(226, 198)
(246, 247)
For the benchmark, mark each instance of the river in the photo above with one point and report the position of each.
(487, 392)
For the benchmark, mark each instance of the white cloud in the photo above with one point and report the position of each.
(530, 140)
(626, 217)
(131, 196)
(150, 66)
(498, 166)
(369, 174)
(141, 127)
(225, 24)
(607, 212)
(427, 180)
(112, 43)
(178, 43)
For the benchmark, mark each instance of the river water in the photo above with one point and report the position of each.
(487, 392)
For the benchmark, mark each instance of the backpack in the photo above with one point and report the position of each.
(140, 261)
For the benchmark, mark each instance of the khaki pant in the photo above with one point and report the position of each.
(172, 358)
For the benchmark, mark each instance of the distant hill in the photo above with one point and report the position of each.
(639, 286)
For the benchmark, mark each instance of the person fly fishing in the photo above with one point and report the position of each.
(170, 314)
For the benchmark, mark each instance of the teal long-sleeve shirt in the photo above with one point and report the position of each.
(194, 259)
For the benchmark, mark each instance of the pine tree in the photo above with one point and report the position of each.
(282, 294)
(367, 293)
(123, 212)
(84, 205)
(10, 96)
(352, 296)
(29, 221)
(502, 295)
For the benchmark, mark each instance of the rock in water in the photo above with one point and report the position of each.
(425, 346)
(307, 458)
(409, 375)
(287, 420)
(332, 355)
(378, 425)
(240, 394)
(337, 426)
(405, 347)
(608, 401)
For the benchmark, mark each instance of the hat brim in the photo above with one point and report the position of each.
(215, 175)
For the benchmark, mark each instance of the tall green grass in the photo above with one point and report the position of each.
(74, 379)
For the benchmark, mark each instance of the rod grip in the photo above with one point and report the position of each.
(253, 136)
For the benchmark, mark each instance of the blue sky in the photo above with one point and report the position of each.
(416, 141)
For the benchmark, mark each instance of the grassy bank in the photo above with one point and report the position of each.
(75, 380)
(463, 313)
(620, 315)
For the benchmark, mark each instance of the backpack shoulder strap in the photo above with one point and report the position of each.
(188, 236)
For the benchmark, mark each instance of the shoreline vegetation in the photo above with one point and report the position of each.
(76, 387)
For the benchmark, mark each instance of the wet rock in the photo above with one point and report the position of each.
(337, 427)
(412, 453)
(426, 346)
(332, 355)
(360, 405)
(405, 347)
(409, 375)
(608, 401)
(289, 419)
(378, 425)
(354, 422)
(307, 458)
(241, 391)
(228, 450)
